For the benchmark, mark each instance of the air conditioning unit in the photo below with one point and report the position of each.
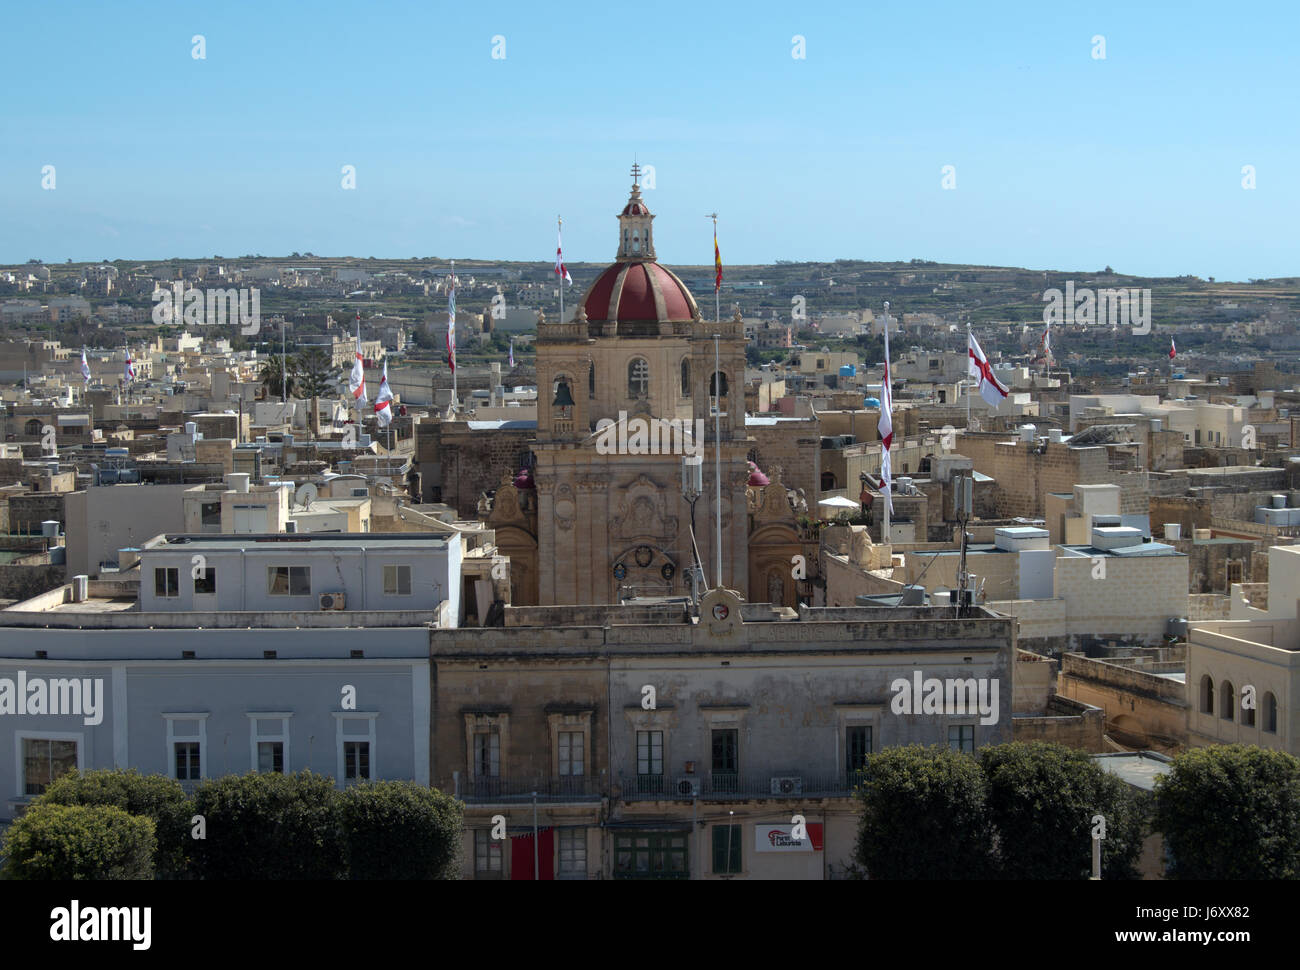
(688, 787)
(291, 526)
(361, 493)
(787, 785)
(331, 601)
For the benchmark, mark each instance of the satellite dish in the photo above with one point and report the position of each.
(305, 495)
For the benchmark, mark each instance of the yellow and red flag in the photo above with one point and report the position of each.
(717, 261)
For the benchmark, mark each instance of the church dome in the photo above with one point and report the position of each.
(636, 289)
(638, 292)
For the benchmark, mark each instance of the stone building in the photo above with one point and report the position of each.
(646, 744)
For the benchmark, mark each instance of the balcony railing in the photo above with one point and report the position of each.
(567, 788)
(733, 786)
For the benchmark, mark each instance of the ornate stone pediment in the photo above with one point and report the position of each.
(643, 513)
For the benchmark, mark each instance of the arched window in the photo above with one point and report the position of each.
(1248, 715)
(1226, 697)
(1207, 695)
(591, 381)
(686, 377)
(638, 377)
(717, 379)
(636, 242)
(1270, 713)
(32, 427)
(828, 481)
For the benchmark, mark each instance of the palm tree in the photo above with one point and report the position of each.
(273, 378)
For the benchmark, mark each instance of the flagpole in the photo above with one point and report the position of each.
(717, 449)
(888, 402)
(559, 227)
(451, 322)
(968, 375)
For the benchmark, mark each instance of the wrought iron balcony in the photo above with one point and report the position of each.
(734, 786)
(566, 788)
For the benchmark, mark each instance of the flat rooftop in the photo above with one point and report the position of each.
(304, 540)
(1139, 768)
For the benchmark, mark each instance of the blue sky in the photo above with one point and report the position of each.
(1062, 161)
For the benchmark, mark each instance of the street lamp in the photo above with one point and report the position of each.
(692, 488)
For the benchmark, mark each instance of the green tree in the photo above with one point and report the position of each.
(314, 370)
(269, 826)
(1042, 798)
(79, 842)
(924, 816)
(1231, 812)
(272, 378)
(156, 797)
(401, 830)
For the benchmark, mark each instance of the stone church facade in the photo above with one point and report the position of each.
(624, 391)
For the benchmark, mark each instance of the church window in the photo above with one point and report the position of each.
(638, 377)
(686, 377)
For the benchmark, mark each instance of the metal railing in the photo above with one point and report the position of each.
(730, 786)
(567, 788)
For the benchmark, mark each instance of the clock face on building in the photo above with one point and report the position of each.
(620, 571)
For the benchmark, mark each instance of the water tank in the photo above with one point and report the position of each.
(1054, 435)
(1279, 501)
(80, 588)
(912, 596)
(1028, 432)
(1173, 530)
(1156, 425)
(238, 481)
(191, 428)
(50, 529)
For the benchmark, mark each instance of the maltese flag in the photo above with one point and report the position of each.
(357, 379)
(128, 372)
(991, 389)
(560, 270)
(1173, 351)
(384, 410)
(85, 366)
(886, 428)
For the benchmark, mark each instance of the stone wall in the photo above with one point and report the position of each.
(797, 449)
(1066, 721)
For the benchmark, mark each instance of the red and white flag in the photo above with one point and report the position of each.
(886, 429)
(560, 269)
(129, 371)
(1047, 342)
(357, 379)
(383, 409)
(991, 389)
(1173, 351)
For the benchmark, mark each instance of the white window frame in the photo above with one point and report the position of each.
(486, 857)
(20, 763)
(397, 590)
(341, 735)
(173, 739)
(254, 738)
(166, 582)
(578, 835)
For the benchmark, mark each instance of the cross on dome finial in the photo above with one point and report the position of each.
(636, 174)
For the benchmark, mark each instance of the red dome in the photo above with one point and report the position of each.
(635, 292)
